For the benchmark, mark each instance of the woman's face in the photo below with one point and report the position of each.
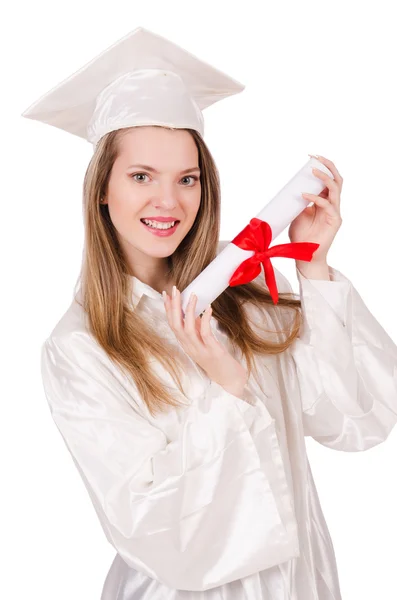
(156, 174)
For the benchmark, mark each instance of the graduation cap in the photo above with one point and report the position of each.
(143, 79)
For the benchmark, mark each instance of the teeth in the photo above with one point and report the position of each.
(157, 225)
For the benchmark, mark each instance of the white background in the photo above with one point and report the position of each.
(320, 79)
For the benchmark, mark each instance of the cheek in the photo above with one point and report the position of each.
(192, 203)
(125, 205)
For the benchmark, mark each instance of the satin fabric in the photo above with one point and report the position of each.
(215, 500)
(145, 97)
(141, 79)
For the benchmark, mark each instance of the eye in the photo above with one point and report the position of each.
(190, 177)
(139, 174)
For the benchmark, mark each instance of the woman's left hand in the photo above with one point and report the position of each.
(320, 222)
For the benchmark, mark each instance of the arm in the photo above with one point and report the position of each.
(203, 509)
(346, 364)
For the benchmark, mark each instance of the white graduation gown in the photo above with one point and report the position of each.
(215, 500)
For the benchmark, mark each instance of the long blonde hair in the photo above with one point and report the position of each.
(127, 338)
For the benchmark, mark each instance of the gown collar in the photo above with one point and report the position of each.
(139, 289)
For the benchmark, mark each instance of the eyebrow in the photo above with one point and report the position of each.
(153, 170)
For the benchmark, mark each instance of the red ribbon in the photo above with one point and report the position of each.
(257, 237)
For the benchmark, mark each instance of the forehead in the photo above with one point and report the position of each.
(158, 147)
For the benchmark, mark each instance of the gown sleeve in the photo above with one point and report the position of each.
(346, 366)
(195, 512)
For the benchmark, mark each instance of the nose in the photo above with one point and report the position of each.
(167, 196)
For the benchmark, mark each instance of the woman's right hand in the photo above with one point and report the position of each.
(197, 340)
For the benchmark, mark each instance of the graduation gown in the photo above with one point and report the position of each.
(216, 500)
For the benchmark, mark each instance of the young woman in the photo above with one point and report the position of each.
(189, 432)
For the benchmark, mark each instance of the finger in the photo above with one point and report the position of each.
(312, 197)
(328, 163)
(330, 209)
(168, 308)
(198, 328)
(205, 327)
(176, 312)
(190, 322)
(329, 182)
(323, 203)
(332, 186)
(206, 332)
(167, 304)
(332, 196)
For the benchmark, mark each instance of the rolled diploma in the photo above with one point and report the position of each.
(278, 212)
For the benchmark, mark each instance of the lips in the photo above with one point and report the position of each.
(161, 232)
(160, 221)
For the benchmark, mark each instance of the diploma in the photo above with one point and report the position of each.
(241, 259)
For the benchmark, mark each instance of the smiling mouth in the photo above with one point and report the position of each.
(163, 225)
(161, 231)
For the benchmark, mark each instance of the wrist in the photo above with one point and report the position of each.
(313, 270)
(236, 389)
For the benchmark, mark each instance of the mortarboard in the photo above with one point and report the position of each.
(143, 79)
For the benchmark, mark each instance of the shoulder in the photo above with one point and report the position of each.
(71, 325)
(71, 352)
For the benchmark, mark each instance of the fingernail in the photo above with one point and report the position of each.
(173, 291)
(314, 155)
(192, 297)
(164, 294)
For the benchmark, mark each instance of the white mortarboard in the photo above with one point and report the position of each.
(143, 79)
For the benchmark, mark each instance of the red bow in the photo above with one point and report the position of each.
(257, 236)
